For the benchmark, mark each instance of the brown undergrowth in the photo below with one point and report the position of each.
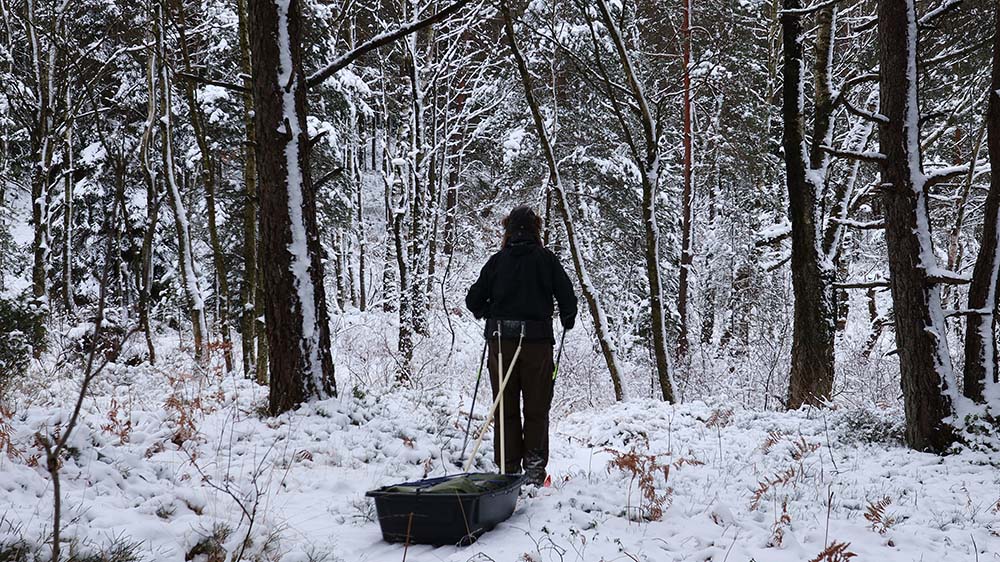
(643, 469)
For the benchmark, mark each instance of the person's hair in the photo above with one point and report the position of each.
(522, 222)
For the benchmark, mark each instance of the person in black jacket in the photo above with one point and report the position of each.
(514, 293)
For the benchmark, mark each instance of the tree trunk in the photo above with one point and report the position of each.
(208, 176)
(298, 329)
(251, 307)
(686, 258)
(649, 170)
(589, 292)
(921, 338)
(418, 201)
(67, 257)
(814, 324)
(189, 281)
(358, 180)
(152, 208)
(405, 337)
(42, 151)
(980, 338)
(450, 209)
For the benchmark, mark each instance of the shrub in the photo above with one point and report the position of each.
(869, 425)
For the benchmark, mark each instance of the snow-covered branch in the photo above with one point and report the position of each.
(854, 110)
(380, 40)
(866, 156)
(940, 175)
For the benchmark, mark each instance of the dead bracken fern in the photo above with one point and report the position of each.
(184, 411)
(690, 461)
(783, 522)
(877, 516)
(6, 434)
(764, 486)
(773, 438)
(721, 417)
(836, 552)
(643, 470)
(119, 424)
(802, 449)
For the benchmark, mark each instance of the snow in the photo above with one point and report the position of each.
(164, 483)
(937, 327)
(93, 154)
(512, 144)
(299, 245)
(775, 231)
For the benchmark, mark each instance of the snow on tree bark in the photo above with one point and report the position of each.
(980, 376)
(813, 328)
(297, 325)
(925, 365)
(189, 279)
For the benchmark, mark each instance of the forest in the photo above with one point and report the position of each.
(236, 238)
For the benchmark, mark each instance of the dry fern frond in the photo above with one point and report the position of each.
(877, 516)
(765, 485)
(836, 552)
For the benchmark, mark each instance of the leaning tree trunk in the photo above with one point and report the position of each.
(298, 329)
(921, 337)
(209, 179)
(189, 281)
(589, 292)
(650, 168)
(980, 340)
(814, 324)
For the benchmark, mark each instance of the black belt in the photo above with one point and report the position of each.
(513, 329)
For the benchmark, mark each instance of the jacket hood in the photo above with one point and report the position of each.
(522, 244)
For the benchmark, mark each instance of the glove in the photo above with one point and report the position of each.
(568, 322)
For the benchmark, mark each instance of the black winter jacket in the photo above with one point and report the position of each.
(519, 282)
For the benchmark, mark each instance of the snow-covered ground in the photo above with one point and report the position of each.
(167, 457)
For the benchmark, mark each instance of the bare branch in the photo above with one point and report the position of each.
(210, 82)
(865, 225)
(809, 9)
(854, 110)
(941, 175)
(944, 277)
(867, 156)
(862, 284)
(347, 58)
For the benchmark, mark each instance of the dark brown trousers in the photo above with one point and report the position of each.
(531, 380)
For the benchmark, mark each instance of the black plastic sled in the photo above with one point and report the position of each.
(453, 510)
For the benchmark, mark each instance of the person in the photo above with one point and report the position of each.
(515, 293)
